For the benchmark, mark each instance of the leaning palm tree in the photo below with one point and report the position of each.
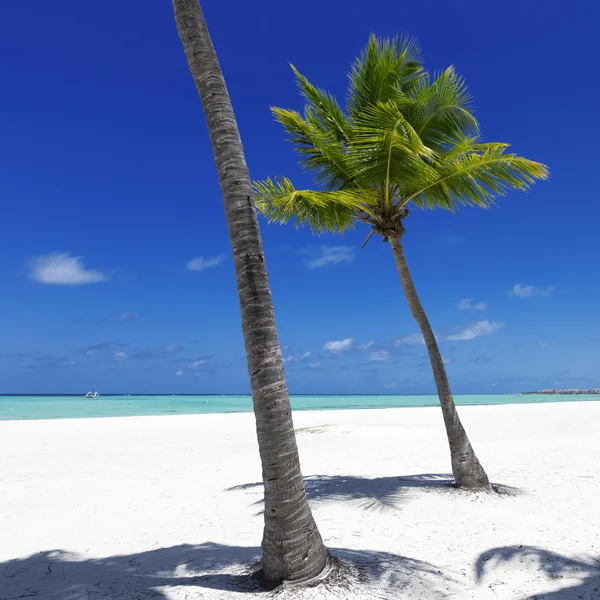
(405, 139)
(292, 545)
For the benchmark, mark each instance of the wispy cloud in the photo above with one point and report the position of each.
(337, 346)
(104, 348)
(63, 269)
(411, 340)
(468, 304)
(19, 354)
(295, 358)
(379, 356)
(314, 365)
(330, 255)
(50, 362)
(529, 291)
(192, 367)
(126, 316)
(479, 360)
(119, 356)
(452, 240)
(159, 352)
(201, 264)
(365, 346)
(476, 330)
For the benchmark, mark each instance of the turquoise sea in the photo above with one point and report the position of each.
(70, 407)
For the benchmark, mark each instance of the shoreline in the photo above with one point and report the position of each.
(250, 412)
(541, 399)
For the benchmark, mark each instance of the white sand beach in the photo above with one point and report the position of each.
(166, 507)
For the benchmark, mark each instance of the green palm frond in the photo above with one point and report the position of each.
(405, 137)
(322, 109)
(385, 69)
(475, 178)
(386, 149)
(442, 110)
(321, 154)
(280, 202)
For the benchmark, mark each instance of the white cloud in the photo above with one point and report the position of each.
(339, 345)
(365, 346)
(529, 291)
(105, 349)
(412, 340)
(446, 361)
(467, 304)
(63, 269)
(298, 358)
(379, 356)
(476, 330)
(315, 365)
(331, 255)
(201, 264)
(179, 373)
(120, 356)
(196, 364)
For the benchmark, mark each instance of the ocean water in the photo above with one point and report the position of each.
(70, 407)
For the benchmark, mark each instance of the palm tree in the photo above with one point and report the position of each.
(292, 545)
(405, 139)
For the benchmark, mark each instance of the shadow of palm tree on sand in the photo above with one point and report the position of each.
(580, 576)
(182, 572)
(376, 493)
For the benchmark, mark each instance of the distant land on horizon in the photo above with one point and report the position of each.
(570, 392)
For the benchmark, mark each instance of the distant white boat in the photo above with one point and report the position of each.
(92, 395)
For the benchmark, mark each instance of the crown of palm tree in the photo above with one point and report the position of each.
(403, 138)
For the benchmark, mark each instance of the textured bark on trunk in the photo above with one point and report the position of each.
(292, 546)
(466, 467)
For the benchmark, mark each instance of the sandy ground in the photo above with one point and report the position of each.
(169, 508)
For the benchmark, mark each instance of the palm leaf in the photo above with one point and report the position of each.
(321, 153)
(442, 111)
(406, 137)
(280, 202)
(322, 109)
(385, 69)
(386, 149)
(475, 178)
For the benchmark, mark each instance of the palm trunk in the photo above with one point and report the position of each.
(466, 468)
(292, 545)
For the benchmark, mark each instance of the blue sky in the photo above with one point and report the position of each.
(109, 187)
